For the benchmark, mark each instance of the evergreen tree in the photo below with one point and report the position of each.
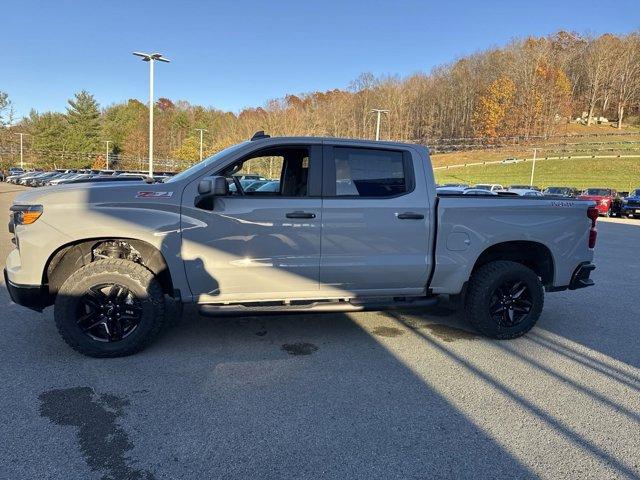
(83, 117)
(48, 137)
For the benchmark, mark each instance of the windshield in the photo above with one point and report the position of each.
(601, 192)
(205, 163)
(559, 190)
(635, 193)
(483, 187)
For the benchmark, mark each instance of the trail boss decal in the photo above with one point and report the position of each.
(561, 204)
(154, 194)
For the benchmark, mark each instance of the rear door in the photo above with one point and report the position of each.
(375, 211)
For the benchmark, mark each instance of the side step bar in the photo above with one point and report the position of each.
(271, 308)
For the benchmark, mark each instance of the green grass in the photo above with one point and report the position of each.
(622, 174)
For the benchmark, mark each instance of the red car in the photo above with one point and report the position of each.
(606, 199)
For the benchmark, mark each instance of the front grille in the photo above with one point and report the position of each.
(633, 203)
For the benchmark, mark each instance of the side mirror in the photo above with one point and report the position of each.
(213, 186)
(208, 188)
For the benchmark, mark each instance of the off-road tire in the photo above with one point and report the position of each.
(138, 279)
(483, 284)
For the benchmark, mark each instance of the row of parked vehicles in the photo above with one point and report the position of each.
(41, 178)
(609, 202)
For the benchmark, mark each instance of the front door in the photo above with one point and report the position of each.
(261, 241)
(375, 236)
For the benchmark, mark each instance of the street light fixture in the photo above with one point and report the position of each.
(21, 157)
(107, 157)
(151, 58)
(378, 111)
(201, 130)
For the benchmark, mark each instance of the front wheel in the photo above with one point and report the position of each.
(504, 299)
(110, 308)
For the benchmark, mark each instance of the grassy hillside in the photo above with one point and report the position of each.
(620, 173)
(574, 140)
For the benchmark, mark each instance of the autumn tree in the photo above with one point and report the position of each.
(493, 107)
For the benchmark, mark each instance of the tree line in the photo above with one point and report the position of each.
(527, 88)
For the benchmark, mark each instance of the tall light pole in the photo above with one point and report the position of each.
(21, 157)
(378, 111)
(107, 157)
(533, 166)
(151, 58)
(201, 130)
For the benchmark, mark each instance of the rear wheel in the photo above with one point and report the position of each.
(504, 299)
(110, 308)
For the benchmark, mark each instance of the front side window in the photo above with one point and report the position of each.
(274, 172)
(365, 172)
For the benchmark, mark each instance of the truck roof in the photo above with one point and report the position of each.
(335, 140)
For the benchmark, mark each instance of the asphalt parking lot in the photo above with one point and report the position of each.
(375, 395)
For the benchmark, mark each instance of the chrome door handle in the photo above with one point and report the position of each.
(300, 215)
(410, 216)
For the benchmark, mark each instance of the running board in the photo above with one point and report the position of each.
(271, 308)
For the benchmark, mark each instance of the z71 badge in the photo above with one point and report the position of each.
(154, 194)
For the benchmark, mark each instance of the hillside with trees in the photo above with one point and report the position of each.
(531, 87)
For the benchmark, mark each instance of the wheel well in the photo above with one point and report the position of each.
(534, 255)
(69, 258)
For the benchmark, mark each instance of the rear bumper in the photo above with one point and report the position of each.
(579, 279)
(35, 297)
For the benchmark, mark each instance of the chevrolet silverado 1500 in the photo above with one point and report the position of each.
(349, 226)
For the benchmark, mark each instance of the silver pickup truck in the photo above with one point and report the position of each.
(278, 225)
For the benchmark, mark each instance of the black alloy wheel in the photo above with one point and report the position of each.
(510, 303)
(108, 312)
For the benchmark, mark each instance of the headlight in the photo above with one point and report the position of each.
(26, 214)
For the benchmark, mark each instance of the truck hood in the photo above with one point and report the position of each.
(107, 192)
(597, 198)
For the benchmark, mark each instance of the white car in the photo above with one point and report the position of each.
(526, 192)
(492, 187)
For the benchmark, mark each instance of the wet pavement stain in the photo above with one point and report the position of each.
(447, 333)
(102, 442)
(387, 332)
(300, 348)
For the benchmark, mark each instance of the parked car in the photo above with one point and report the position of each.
(16, 177)
(37, 181)
(253, 186)
(25, 179)
(607, 200)
(463, 191)
(15, 171)
(568, 192)
(631, 204)
(489, 186)
(354, 225)
(269, 187)
(526, 192)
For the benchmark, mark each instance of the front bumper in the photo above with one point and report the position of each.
(634, 209)
(35, 297)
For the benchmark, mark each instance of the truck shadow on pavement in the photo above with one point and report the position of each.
(604, 318)
(301, 395)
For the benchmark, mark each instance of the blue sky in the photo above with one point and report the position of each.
(234, 54)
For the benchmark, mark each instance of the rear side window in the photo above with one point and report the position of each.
(362, 172)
